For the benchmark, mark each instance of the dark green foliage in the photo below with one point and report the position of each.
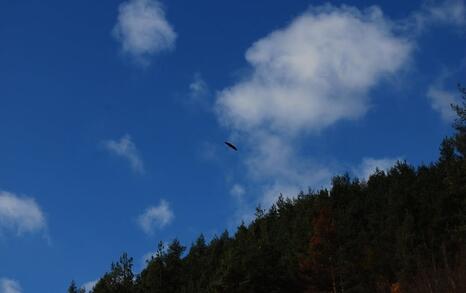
(401, 231)
(119, 279)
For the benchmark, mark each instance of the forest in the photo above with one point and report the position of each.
(403, 230)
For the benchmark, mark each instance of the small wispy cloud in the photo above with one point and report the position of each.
(441, 101)
(143, 29)
(9, 286)
(199, 93)
(244, 210)
(369, 165)
(446, 12)
(126, 149)
(198, 87)
(20, 214)
(237, 191)
(89, 286)
(156, 217)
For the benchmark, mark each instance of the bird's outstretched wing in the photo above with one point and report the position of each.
(231, 145)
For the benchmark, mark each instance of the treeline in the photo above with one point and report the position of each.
(401, 231)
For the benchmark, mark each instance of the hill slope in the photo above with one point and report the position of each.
(401, 231)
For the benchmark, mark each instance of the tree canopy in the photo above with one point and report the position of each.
(403, 230)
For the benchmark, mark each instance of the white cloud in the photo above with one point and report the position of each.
(237, 191)
(243, 208)
(275, 163)
(89, 286)
(369, 165)
(156, 217)
(316, 71)
(9, 286)
(126, 148)
(143, 29)
(198, 87)
(441, 101)
(20, 214)
(448, 12)
(199, 92)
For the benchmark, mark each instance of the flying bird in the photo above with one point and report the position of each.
(231, 145)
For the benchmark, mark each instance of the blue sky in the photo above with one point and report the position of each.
(113, 116)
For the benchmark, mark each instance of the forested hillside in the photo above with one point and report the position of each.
(401, 231)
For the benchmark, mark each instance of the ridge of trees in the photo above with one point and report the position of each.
(403, 230)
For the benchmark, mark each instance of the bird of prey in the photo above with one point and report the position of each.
(231, 145)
